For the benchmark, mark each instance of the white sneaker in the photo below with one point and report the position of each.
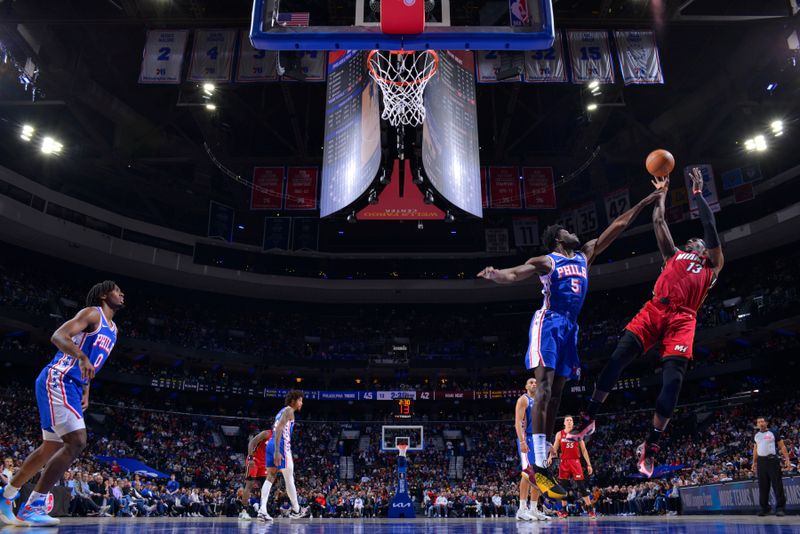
(523, 514)
(264, 517)
(244, 516)
(537, 515)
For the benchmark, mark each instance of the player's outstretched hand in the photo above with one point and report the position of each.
(277, 458)
(697, 180)
(87, 369)
(489, 273)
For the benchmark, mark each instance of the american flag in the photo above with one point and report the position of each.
(293, 19)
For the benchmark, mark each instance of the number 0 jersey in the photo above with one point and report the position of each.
(685, 280)
(97, 345)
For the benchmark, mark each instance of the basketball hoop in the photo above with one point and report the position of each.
(402, 448)
(402, 77)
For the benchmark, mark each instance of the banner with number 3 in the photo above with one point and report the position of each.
(163, 56)
(212, 56)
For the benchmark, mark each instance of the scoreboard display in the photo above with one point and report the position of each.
(404, 409)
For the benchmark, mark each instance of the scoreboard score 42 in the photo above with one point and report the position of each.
(404, 410)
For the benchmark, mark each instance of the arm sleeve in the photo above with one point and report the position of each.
(708, 221)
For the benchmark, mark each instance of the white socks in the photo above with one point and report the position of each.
(540, 449)
(35, 496)
(10, 492)
(265, 489)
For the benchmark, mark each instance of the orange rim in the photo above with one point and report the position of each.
(403, 53)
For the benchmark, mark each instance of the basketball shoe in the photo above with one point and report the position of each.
(545, 480)
(302, 512)
(264, 517)
(646, 452)
(34, 514)
(584, 427)
(523, 514)
(7, 511)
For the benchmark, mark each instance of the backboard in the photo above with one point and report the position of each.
(412, 435)
(449, 25)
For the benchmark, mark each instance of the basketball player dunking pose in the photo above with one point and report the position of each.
(553, 345)
(670, 316)
(569, 467)
(62, 394)
(522, 425)
(255, 468)
(279, 457)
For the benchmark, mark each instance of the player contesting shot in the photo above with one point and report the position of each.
(553, 335)
(670, 316)
(62, 394)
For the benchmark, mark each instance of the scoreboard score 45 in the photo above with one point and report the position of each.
(404, 409)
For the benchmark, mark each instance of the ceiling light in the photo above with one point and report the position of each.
(594, 84)
(761, 143)
(777, 126)
(750, 144)
(771, 87)
(27, 132)
(211, 107)
(591, 107)
(209, 87)
(51, 146)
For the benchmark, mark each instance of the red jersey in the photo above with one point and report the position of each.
(685, 280)
(259, 455)
(570, 450)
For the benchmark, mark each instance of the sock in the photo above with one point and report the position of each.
(291, 490)
(594, 407)
(10, 491)
(540, 449)
(35, 496)
(654, 436)
(523, 505)
(265, 489)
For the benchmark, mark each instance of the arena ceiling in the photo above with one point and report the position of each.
(139, 149)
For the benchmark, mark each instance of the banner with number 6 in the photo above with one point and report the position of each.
(590, 54)
(212, 56)
(162, 58)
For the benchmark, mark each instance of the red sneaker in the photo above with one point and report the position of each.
(562, 514)
(592, 514)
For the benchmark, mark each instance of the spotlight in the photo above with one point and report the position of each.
(373, 197)
(418, 178)
(51, 146)
(209, 88)
(449, 218)
(384, 179)
(750, 145)
(591, 107)
(352, 218)
(429, 197)
(27, 132)
(594, 84)
(761, 143)
(777, 127)
(211, 107)
(771, 87)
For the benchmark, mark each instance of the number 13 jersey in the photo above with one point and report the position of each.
(685, 280)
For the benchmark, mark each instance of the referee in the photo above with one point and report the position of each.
(767, 468)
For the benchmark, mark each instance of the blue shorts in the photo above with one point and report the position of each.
(270, 455)
(59, 401)
(530, 457)
(553, 343)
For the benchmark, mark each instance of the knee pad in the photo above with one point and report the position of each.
(674, 370)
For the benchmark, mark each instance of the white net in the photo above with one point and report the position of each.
(402, 77)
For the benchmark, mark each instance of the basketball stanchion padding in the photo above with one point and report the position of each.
(402, 17)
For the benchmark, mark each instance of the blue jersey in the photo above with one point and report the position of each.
(284, 440)
(96, 345)
(565, 286)
(529, 415)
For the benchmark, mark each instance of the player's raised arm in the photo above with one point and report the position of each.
(536, 265)
(595, 247)
(710, 236)
(665, 243)
(62, 338)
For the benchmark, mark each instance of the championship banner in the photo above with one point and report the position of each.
(276, 233)
(301, 188)
(637, 52)
(526, 231)
(484, 190)
(539, 188)
(488, 66)
(617, 202)
(709, 188)
(212, 56)
(586, 218)
(255, 65)
(267, 190)
(305, 233)
(220, 221)
(590, 54)
(162, 58)
(546, 66)
(566, 218)
(504, 188)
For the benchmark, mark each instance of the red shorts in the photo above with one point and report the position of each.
(255, 469)
(675, 327)
(570, 468)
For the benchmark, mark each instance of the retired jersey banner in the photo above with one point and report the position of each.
(267, 192)
(496, 240)
(212, 56)
(539, 188)
(590, 55)
(617, 202)
(586, 218)
(313, 64)
(526, 231)
(488, 65)
(255, 65)
(301, 188)
(220, 221)
(709, 188)
(546, 66)
(637, 52)
(162, 58)
(276, 233)
(566, 218)
(504, 188)
(305, 233)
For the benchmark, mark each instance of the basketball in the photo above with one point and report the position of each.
(660, 162)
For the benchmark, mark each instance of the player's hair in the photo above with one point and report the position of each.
(292, 396)
(764, 417)
(568, 416)
(98, 290)
(549, 236)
